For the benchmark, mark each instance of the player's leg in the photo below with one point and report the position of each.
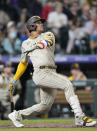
(54, 80)
(47, 98)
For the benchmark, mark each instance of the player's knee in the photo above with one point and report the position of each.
(69, 89)
(45, 107)
(69, 85)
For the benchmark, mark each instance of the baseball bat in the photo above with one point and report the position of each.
(28, 51)
(11, 100)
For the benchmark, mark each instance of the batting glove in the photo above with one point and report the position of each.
(12, 84)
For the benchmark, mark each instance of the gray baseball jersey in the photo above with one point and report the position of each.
(47, 79)
(40, 57)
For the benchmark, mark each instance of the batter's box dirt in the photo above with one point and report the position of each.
(46, 125)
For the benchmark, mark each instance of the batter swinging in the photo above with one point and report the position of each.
(44, 75)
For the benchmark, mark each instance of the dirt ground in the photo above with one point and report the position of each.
(46, 125)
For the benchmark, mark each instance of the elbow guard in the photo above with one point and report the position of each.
(20, 70)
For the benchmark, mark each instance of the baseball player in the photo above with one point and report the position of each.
(45, 76)
(5, 76)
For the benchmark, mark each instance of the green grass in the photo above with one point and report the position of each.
(44, 129)
(48, 129)
(38, 120)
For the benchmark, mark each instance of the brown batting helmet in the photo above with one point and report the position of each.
(31, 23)
(75, 66)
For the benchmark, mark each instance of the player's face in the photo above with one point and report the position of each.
(39, 26)
(74, 72)
(8, 71)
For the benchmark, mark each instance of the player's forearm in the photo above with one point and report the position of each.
(20, 70)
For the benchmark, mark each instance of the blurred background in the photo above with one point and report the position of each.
(74, 24)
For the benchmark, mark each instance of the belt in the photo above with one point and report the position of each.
(48, 67)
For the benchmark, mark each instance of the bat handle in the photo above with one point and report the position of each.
(12, 106)
(11, 99)
(11, 95)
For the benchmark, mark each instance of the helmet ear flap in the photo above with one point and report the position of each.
(33, 27)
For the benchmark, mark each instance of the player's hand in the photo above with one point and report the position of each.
(12, 85)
